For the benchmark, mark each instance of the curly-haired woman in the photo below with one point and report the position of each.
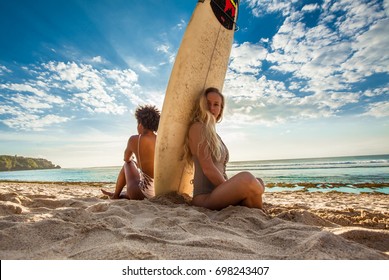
(139, 175)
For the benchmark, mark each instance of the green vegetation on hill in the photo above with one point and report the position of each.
(10, 163)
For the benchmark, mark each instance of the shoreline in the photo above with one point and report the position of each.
(270, 185)
(57, 220)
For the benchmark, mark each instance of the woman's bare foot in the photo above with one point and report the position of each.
(263, 187)
(262, 183)
(109, 194)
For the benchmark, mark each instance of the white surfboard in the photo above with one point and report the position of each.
(201, 62)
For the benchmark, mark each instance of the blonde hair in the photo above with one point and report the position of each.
(202, 115)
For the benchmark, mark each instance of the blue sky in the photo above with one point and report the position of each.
(305, 78)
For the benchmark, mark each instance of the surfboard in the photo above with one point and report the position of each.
(201, 62)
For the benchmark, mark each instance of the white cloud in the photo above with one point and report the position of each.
(268, 102)
(378, 109)
(96, 101)
(23, 88)
(311, 7)
(247, 58)
(8, 110)
(30, 119)
(357, 15)
(69, 88)
(264, 101)
(377, 91)
(66, 72)
(371, 53)
(322, 63)
(26, 121)
(4, 69)
(386, 7)
(97, 59)
(30, 102)
(165, 49)
(125, 83)
(97, 91)
(146, 69)
(181, 25)
(37, 102)
(260, 7)
(122, 77)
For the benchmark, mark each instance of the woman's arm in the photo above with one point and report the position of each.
(128, 152)
(204, 155)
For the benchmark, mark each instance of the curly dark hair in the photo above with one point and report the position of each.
(148, 116)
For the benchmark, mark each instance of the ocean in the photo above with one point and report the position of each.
(344, 174)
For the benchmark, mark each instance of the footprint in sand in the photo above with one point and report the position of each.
(9, 208)
(99, 207)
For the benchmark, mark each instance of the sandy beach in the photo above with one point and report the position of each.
(75, 221)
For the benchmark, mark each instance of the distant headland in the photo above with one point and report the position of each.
(13, 163)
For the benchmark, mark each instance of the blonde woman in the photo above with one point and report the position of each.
(212, 188)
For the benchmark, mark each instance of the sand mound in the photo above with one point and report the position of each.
(74, 221)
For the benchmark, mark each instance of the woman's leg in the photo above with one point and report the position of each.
(120, 183)
(243, 189)
(132, 178)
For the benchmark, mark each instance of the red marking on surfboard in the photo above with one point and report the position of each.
(225, 11)
(230, 6)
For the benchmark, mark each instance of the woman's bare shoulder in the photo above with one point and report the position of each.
(133, 139)
(195, 131)
(196, 126)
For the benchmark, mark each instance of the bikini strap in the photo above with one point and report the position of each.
(140, 165)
